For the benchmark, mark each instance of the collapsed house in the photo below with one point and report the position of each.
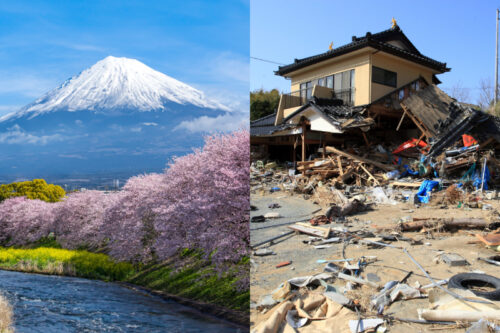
(376, 97)
(367, 135)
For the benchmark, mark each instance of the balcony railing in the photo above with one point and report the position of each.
(347, 95)
(300, 97)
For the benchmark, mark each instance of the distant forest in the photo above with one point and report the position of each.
(263, 103)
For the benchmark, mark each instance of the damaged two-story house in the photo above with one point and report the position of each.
(356, 93)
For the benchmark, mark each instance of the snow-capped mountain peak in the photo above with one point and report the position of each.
(117, 84)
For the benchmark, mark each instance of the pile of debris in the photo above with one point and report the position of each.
(460, 171)
(344, 296)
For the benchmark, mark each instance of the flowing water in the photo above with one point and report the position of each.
(62, 304)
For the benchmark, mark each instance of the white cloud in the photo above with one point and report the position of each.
(235, 100)
(5, 109)
(150, 124)
(77, 156)
(222, 123)
(231, 66)
(16, 135)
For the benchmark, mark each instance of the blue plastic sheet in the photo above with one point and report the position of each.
(408, 171)
(425, 189)
(477, 180)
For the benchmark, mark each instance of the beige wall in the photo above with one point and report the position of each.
(360, 63)
(406, 72)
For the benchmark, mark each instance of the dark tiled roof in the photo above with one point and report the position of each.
(378, 41)
(337, 114)
(263, 126)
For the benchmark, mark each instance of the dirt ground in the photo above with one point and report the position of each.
(392, 264)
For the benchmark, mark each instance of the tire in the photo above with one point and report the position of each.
(461, 281)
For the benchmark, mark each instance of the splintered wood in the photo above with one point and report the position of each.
(346, 168)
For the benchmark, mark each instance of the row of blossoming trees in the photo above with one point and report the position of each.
(201, 201)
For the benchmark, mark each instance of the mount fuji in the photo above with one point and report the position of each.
(118, 116)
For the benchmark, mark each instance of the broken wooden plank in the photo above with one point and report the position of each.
(348, 174)
(401, 121)
(339, 163)
(360, 159)
(369, 175)
(310, 230)
(419, 223)
(489, 239)
(406, 184)
(357, 280)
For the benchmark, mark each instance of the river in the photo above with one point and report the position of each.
(47, 304)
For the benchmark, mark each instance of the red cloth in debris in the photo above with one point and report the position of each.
(468, 140)
(410, 144)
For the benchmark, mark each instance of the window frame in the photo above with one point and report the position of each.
(386, 81)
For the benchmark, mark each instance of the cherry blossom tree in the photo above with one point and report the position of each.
(79, 219)
(129, 222)
(205, 204)
(200, 202)
(24, 221)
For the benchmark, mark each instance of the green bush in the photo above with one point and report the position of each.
(34, 189)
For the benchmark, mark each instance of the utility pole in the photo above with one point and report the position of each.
(496, 67)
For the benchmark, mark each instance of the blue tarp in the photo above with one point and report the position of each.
(478, 178)
(425, 189)
(408, 171)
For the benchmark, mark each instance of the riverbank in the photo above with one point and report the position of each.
(193, 281)
(5, 316)
(188, 278)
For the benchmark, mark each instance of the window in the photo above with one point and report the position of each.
(415, 85)
(341, 83)
(329, 81)
(309, 86)
(401, 94)
(384, 77)
(343, 86)
(306, 91)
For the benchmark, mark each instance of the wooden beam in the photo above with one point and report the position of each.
(310, 230)
(420, 126)
(420, 139)
(401, 121)
(339, 162)
(405, 184)
(304, 126)
(487, 142)
(360, 159)
(366, 139)
(369, 174)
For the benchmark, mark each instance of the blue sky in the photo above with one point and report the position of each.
(460, 33)
(202, 43)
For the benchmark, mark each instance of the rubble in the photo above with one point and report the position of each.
(450, 167)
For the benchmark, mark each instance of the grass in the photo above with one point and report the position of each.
(195, 278)
(188, 275)
(5, 316)
(65, 262)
